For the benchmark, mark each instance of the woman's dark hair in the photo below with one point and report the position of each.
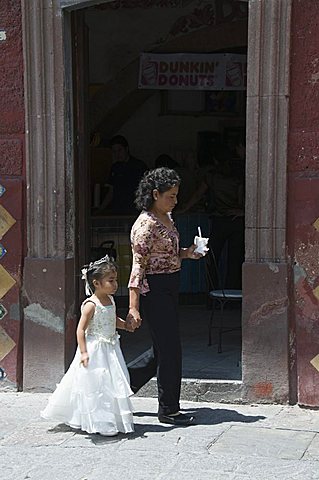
(161, 179)
(98, 270)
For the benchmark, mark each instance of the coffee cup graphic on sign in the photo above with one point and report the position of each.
(149, 73)
(234, 74)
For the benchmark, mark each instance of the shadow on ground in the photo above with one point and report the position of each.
(97, 439)
(213, 416)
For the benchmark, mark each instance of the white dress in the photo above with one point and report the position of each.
(95, 398)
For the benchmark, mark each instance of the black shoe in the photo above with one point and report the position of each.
(180, 419)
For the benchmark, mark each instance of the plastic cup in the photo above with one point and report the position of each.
(201, 245)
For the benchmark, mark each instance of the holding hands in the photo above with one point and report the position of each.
(133, 320)
(131, 323)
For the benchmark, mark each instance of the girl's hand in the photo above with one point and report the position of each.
(84, 359)
(128, 325)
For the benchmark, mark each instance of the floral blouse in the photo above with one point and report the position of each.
(155, 250)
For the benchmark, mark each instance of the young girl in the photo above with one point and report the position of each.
(94, 393)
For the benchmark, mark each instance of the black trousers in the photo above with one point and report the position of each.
(159, 308)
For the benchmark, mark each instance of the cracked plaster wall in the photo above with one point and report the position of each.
(303, 198)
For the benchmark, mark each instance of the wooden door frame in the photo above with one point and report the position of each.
(79, 55)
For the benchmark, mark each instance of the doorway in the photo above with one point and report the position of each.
(185, 125)
(265, 271)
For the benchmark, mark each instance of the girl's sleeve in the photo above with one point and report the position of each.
(142, 241)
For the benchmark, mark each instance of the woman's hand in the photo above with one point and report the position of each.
(133, 318)
(84, 359)
(189, 253)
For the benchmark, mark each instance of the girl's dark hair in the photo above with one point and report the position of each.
(161, 179)
(99, 269)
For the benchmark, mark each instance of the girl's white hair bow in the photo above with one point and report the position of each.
(88, 290)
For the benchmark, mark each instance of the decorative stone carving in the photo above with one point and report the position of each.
(48, 189)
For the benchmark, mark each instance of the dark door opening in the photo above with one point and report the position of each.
(189, 126)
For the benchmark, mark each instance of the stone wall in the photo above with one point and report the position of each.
(12, 169)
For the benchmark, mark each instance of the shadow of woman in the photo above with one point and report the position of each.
(203, 416)
(214, 416)
(211, 416)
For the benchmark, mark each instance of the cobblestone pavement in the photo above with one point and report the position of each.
(238, 442)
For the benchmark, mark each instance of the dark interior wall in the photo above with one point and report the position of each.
(303, 198)
(117, 38)
(12, 176)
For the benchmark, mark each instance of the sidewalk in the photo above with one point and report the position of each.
(237, 442)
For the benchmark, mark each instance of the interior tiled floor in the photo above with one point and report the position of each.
(199, 360)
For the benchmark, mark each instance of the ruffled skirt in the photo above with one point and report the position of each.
(95, 398)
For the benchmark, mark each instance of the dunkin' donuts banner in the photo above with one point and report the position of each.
(191, 71)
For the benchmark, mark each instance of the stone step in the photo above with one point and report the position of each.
(202, 390)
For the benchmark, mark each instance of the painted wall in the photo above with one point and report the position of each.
(11, 189)
(303, 201)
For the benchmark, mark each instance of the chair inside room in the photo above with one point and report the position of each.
(219, 297)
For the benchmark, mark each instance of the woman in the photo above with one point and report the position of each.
(154, 286)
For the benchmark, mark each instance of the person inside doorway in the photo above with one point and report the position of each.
(225, 190)
(125, 175)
